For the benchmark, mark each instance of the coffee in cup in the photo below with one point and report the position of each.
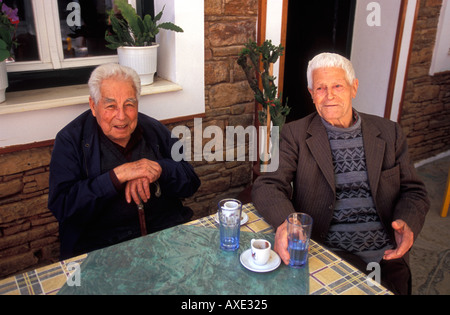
(260, 251)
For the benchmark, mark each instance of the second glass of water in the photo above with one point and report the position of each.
(299, 227)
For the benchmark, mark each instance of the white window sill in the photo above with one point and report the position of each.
(25, 101)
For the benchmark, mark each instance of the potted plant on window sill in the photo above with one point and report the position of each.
(134, 39)
(8, 23)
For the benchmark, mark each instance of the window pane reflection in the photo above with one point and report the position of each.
(83, 26)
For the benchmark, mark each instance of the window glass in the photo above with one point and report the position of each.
(27, 48)
(83, 25)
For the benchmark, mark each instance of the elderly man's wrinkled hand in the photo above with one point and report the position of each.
(143, 168)
(138, 190)
(281, 243)
(404, 237)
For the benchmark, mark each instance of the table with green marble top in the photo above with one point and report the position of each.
(187, 260)
(182, 260)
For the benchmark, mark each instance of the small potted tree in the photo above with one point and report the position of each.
(257, 61)
(134, 39)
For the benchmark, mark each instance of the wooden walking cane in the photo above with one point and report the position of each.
(141, 214)
(268, 123)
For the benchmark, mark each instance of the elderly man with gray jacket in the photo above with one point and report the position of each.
(351, 172)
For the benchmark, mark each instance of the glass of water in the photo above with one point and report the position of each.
(299, 227)
(230, 223)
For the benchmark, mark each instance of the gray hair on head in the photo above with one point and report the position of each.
(112, 70)
(330, 60)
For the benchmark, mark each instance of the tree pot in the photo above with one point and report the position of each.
(142, 59)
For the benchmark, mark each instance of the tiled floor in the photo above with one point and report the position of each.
(430, 255)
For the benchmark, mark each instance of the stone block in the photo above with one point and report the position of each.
(433, 3)
(14, 251)
(244, 120)
(421, 125)
(50, 252)
(213, 186)
(226, 94)
(28, 236)
(238, 73)
(433, 109)
(10, 188)
(21, 161)
(216, 72)
(241, 175)
(227, 51)
(417, 71)
(241, 7)
(238, 109)
(426, 93)
(208, 169)
(14, 264)
(23, 209)
(415, 140)
(40, 179)
(213, 7)
(16, 228)
(231, 33)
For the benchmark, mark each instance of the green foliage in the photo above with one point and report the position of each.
(6, 40)
(249, 59)
(132, 30)
(4, 51)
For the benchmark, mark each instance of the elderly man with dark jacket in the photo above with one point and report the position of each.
(351, 172)
(110, 160)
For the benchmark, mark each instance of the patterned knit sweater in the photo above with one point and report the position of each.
(356, 226)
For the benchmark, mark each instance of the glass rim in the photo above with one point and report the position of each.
(223, 201)
(309, 220)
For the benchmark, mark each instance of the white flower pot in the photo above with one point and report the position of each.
(142, 59)
(3, 81)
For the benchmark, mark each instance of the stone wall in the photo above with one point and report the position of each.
(229, 24)
(425, 115)
(29, 232)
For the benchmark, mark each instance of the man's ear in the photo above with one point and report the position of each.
(92, 106)
(355, 88)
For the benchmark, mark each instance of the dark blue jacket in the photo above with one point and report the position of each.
(80, 192)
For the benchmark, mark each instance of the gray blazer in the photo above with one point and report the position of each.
(304, 181)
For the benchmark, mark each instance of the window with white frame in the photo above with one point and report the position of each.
(61, 40)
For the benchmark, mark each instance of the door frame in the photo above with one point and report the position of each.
(400, 56)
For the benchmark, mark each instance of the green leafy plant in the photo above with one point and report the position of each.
(8, 24)
(250, 59)
(130, 29)
(257, 61)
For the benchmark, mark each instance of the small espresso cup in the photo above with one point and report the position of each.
(260, 251)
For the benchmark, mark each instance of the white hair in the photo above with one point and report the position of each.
(330, 60)
(112, 70)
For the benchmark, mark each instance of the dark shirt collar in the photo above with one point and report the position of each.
(135, 138)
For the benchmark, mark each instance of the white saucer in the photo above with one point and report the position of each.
(243, 220)
(272, 264)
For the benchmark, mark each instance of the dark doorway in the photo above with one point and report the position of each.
(313, 27)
